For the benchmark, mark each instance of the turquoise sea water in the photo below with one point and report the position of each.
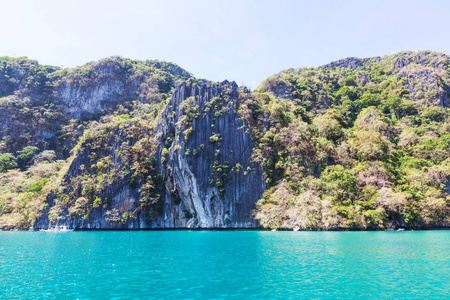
(225, 265)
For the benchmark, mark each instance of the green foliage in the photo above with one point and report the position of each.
(435, 114)
(25, 155)
(362, 147)
(215, 139)
(22, 193)
(330, 126)
(349, 81)
(38, 185)
(7, 162)
(221, 176)
(164, 155)
(409, 162)
(346, 93)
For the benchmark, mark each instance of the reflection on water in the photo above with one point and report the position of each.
(224, 265)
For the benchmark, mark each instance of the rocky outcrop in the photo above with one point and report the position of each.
(350, 62)
(282, 91)
(107, 83)
(424, 81)
(82, 101)
(208, 159)
(144, 160)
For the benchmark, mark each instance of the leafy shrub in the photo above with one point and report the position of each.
(7, 162)
(38, 185)
(215, 139)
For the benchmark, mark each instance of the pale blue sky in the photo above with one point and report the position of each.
(245, 40)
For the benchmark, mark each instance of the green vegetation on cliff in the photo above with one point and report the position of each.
(357, 143)
(47, 114)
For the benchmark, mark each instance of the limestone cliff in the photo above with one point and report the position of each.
(205, 154)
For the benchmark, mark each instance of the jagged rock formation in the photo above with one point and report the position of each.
(351, 62)
(208, 165)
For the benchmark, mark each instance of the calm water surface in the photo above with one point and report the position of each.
(225, 265)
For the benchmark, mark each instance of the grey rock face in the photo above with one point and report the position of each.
(114, 80)
(215, 182)
(87, 100)
(282, 91)
(5, 122)
(362, 79)
(422, 81)
(350, 62)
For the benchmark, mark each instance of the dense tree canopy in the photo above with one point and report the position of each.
(376, 153)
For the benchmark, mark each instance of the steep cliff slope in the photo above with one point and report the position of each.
(205, 155)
